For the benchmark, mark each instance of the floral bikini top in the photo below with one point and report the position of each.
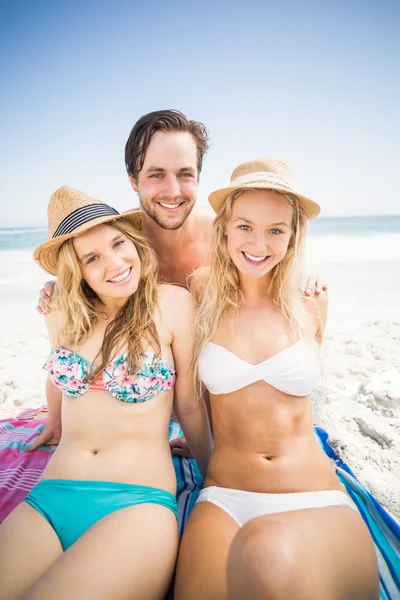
(68, 371)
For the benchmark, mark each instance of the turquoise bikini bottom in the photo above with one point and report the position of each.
(72, 506)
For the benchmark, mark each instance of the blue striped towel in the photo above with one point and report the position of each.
(384, 530)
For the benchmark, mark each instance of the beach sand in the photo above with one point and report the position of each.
(357, 401)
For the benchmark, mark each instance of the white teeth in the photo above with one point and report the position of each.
(254, 258)
(170, 205)
(121, 277)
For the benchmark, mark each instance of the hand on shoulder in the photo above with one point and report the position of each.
(314, 286)
(45, 298)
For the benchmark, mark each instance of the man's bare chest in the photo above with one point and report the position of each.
(176, 267)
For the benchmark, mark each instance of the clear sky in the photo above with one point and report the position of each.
(314, 83)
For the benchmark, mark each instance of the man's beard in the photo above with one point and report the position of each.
(166, 222)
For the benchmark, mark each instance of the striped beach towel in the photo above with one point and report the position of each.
(20, 471)
(384, 529)
(188, 479)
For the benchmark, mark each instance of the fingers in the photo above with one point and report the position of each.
(180, 447)
(42, 441)
(51, 437)
(53, 442)
(182, 452)
(37, 443)
(315, 285)
(45, 294)
(321, 286)
(42, 307)
(179, 443)
(310, 286)
(49, 288)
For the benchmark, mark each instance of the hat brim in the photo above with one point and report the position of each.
(46, 255)
(218, 198)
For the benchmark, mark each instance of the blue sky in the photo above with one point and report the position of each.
(313, 83)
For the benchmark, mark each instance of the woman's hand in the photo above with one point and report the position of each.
(50, 436)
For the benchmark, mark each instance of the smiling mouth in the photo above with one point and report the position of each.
(255, 260)
(122, 277)
(171, 207)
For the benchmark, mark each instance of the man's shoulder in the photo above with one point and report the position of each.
(203, 214)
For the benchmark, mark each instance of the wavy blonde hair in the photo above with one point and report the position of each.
(133, 329)
(221, 292)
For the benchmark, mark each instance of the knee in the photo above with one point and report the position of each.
(262, 562)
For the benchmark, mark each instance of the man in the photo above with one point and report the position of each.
(164, 157)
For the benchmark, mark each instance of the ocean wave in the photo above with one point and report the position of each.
(22, 230)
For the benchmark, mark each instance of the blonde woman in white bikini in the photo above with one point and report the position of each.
(272, 520)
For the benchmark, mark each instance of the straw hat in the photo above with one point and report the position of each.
(264, 174)
(71, 213)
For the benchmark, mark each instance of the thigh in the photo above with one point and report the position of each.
(308, 554)
(130, 553)
(203, 553)
(28, 546)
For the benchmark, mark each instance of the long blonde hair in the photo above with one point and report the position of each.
(220, 293)
(133, 329)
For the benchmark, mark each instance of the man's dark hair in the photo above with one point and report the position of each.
(161, 120)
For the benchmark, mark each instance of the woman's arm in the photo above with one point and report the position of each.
(189, 409)
(51, 433)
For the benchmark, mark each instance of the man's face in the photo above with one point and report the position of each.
(167, 183)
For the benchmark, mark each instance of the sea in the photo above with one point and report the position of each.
(25, 238)
(330, 240)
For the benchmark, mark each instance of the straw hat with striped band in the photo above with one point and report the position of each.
(264, 174)
(71, 213)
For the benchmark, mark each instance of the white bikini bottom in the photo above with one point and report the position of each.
(244, 506)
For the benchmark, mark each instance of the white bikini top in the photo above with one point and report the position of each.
(294, 371)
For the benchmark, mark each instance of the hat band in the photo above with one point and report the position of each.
(262, 177)
(82, 215)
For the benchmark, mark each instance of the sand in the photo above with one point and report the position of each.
(357, 401)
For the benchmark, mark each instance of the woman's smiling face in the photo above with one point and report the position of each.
(259, 231)
(109, 261)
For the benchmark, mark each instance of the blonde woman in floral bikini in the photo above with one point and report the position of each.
(101, 523)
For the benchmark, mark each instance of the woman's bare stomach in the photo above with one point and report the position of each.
(265, 442)
(301, 467)
(126, 463)
(104, 439)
